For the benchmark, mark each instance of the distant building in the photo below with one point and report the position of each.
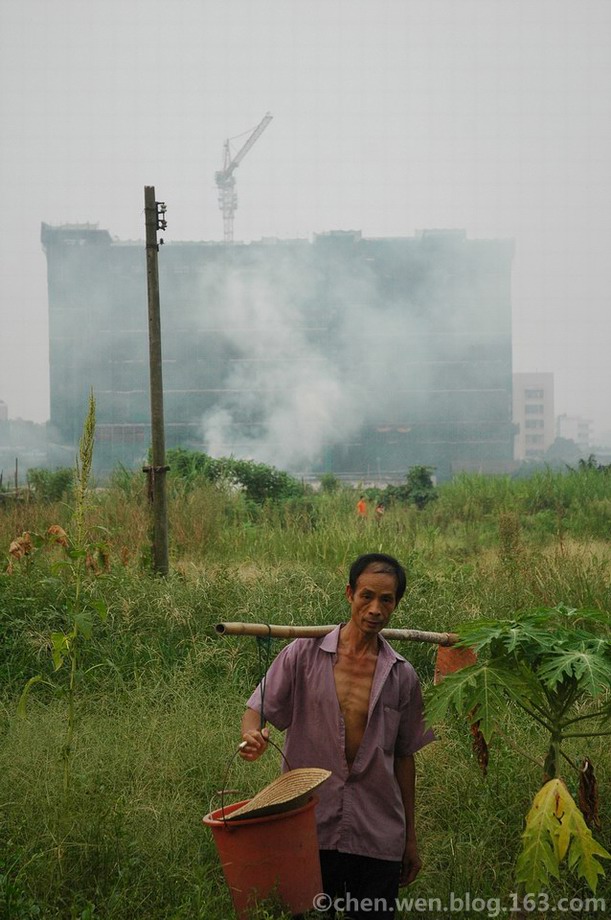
(3, 411)
(358, 356)
(533, 415)
(577, 429)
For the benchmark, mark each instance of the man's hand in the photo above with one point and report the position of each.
(254, 743)
(411, 865)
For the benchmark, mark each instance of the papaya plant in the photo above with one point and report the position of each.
(555, 665)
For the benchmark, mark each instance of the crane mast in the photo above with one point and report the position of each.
(225, 179)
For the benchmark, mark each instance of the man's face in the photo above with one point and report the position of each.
(373, 600)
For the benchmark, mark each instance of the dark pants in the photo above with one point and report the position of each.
(359, 881)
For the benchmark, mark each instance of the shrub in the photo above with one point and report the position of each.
(418, 489)
(50, 485)
(329, 483)
(259, 481)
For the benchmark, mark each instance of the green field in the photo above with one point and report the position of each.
(112, 828)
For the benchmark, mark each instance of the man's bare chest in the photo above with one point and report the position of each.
(353, 681)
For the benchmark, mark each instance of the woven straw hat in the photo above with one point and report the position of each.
(290, 790)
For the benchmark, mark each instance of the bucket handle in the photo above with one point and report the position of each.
(230, 764)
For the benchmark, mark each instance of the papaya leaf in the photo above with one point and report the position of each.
(480, 633)
(534, 631)
(582, 857)
(554, 828)
(539, 858)
(600, 617)
(582, 847)
(519, 680)
(479, 747)
(528, 636)
(481, 687)
(588, 794)
(586, 665)
(454, 692)
(585, 617)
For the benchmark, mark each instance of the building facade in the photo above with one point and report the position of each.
(358, 356)
(533, 415)
(576, 428)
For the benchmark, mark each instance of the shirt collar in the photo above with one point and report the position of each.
(331, 641)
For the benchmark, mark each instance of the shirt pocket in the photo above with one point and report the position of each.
(392, 718)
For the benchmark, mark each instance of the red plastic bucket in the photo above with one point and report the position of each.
(450, 659)
(272, 854)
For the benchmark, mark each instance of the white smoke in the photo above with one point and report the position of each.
(284, 396)
(320, 346)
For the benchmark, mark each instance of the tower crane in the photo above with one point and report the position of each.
(225, 179)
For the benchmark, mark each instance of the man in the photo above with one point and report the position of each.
(350, 704)
(361, 508)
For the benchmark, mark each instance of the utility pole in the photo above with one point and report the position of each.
(154, 212)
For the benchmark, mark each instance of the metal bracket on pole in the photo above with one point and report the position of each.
(151, 473)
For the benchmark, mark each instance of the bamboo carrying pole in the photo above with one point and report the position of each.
(315, 632)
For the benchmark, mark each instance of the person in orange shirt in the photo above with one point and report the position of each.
(361, 508)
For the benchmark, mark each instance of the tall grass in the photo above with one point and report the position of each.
(209, 524)
(160, 706)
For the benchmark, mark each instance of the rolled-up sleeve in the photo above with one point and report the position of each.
(274, 695)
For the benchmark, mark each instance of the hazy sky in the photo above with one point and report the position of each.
(389, 116)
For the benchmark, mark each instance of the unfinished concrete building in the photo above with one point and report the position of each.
(343, 354)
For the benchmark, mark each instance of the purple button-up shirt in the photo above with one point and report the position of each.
(360, 810)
